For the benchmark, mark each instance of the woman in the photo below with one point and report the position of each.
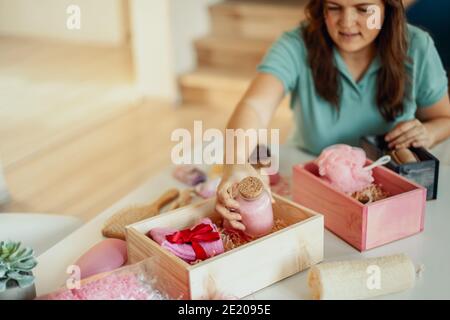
(347, 80)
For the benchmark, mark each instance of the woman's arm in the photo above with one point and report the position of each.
(257, 106)
(431, 126)
(436, 120)
(254, 111)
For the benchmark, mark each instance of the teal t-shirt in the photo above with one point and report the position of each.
(317, 123)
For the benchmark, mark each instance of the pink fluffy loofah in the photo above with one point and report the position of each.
(342, 166)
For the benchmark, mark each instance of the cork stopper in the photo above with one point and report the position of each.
(250, 188)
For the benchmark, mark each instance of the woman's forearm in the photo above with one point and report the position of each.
(254, 112)
(436, 120)
(245, 122)
(439, 129)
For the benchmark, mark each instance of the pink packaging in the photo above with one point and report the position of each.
(185, 250)
(134, 282)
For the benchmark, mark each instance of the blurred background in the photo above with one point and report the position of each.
(86, 111)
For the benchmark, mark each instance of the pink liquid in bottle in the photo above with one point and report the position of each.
(255, 207)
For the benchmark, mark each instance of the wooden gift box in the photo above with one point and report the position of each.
(425, 172)
(238, 272)
(364, 226)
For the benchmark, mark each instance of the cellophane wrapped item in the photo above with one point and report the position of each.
(132, 282)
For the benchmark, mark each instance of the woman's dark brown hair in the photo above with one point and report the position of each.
(393, 79)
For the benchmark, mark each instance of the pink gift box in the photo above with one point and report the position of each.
(364, 226)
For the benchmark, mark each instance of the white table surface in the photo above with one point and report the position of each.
(429, 248)
(36, 230)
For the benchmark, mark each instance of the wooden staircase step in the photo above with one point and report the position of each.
(213, 77)
(260, 19)
(209, 86)
(222, 88)
(233, 53)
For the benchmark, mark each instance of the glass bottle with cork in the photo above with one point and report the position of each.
(255, 207)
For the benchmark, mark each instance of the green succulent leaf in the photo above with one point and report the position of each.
(16, 263)
(25, 281)
(15, 275)
(2, 271)
(3, 284)
(27, 265)
(23, 253)
(9, 246)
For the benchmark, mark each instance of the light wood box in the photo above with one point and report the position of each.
(364, 226)
(238, 272)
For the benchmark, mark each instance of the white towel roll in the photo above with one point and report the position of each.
(361, 279)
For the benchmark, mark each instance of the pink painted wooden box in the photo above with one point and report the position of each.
(363, 226)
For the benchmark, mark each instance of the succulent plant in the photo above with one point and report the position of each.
(16, 264)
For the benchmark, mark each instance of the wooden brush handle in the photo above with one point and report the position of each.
(166, 198)
(114, 227)
(184, 199)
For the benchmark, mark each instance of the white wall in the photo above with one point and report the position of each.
(162, 32)
(189, 21)
(162, 39)
(102, 21)
(152, 48)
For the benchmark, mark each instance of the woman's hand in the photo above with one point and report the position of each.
(226, 205)
(407, 134)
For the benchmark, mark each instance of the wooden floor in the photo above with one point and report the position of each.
(74, 135)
